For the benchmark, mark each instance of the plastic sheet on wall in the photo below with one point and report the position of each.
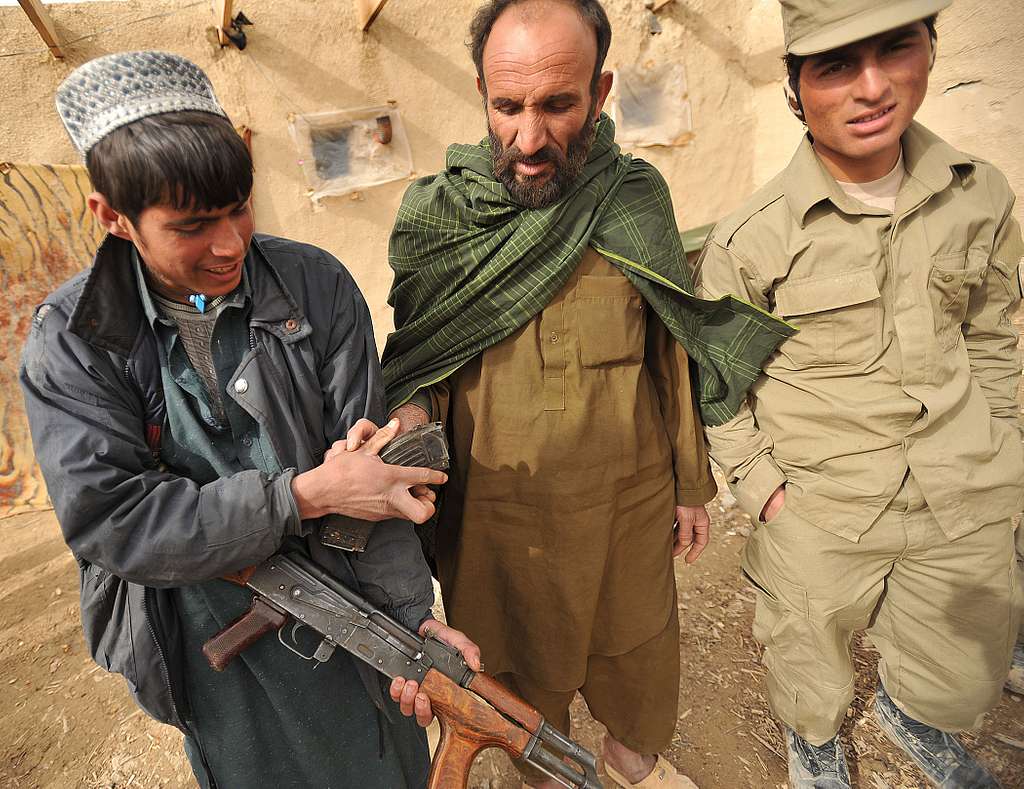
(47, 234)
(348, 150)
(650, 106)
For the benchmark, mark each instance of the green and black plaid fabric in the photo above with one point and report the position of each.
(471, 267)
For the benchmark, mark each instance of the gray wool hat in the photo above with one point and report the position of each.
(114, 90)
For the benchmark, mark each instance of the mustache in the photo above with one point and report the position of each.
(542, 191)
(512, 155)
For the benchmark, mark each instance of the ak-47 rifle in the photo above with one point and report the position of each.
(475, 711)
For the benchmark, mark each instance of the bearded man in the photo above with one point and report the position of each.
(544, 312)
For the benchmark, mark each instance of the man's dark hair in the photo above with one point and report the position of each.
(794, 63)
(191, 160)
(589, 10)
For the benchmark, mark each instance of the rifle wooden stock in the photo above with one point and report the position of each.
(468, 726)
(255, 623)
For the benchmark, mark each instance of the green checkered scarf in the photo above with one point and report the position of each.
(471, 267)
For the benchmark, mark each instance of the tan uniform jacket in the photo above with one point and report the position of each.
(906, 356)
(573, 441)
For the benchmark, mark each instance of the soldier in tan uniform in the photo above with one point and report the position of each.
(880, 450)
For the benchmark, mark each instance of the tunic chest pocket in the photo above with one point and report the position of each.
(611, 321)
(839, 318)
(952, 279)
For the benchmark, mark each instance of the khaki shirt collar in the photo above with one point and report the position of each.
(930, 162)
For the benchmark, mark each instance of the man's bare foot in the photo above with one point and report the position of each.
(634, 766)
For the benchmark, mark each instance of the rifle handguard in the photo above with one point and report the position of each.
(505, 701)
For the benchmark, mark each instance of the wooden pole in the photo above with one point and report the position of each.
(366, 12)
(223, 21)
(40, 17)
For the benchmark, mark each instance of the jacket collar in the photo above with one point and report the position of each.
(929, 160)
(109, 312)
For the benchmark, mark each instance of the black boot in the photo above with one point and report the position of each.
(941, 756)
(816, 766)
(1015, 680)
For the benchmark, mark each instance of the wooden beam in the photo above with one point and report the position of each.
(366, 11)
(223, 21)
(40, 17)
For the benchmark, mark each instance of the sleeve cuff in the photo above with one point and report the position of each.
(410, 616)
(427, 616)
(697, 497)
(756, 487)
(422, 399)
(285, 502)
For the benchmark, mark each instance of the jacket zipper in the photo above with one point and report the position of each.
(163, 659)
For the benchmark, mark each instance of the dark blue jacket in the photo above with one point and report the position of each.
(91, 380)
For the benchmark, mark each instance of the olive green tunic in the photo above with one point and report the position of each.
(573, 441)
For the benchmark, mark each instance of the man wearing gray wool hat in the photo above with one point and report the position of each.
(185, 395)
(880, 451)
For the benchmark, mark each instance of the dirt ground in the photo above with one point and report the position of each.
(67, 723)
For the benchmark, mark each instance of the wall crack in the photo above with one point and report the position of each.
(964, 84)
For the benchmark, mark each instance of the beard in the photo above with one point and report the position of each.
(541, 191)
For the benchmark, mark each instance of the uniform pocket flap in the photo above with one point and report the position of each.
(1012, 278)
(826, 293)
(968, 260)
(610, 314)
(596, 287)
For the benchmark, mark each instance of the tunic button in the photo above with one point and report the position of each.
(247, 441)
(291, 325)
(241, 386)
(947, 277)
(554, 337)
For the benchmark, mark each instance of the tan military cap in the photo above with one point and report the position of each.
(816, 26)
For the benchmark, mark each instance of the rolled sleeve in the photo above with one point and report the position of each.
(753, 491)
(393, 575)
(989, 333)
(744, 453)
(739, 446)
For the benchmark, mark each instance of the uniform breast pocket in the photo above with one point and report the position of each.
(952, 279)
(612, 320)
(839, 319)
